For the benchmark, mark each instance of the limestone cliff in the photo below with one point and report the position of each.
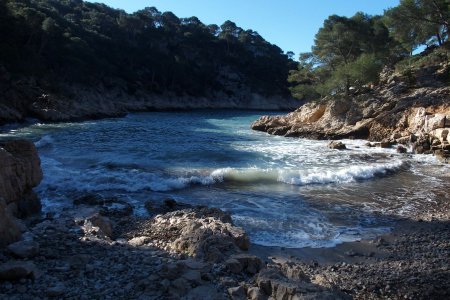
(20, 171)
(394, 111)
(71, 102)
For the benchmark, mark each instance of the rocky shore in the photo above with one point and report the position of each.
(20, 172)
(392, 112)
(99, 249)
(197, 252)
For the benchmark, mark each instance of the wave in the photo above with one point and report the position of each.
(307, 177)
(103, 178)
(45, 141)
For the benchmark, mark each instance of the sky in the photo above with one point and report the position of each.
(290, 24)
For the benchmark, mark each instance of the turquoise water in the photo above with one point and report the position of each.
(283, 191)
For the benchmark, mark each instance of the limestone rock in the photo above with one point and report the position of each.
(139, 241)
(249, 263)
(98, 225)
(200, 232)
(382, 114)
(337, 145)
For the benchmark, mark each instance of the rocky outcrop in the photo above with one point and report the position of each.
(20, 171)
(9, 229)
(204, 233)
(26, 98)
(393, 112)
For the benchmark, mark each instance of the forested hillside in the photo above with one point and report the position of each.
(56, 42)
(349, 53)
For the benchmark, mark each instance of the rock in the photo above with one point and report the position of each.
(201, 232)
(179, 286)
(433, 122)
(401, 149)
(24, 249)
(20, 172)
(274, 284)
(15, 270)
(233, 265)
(9, 229)
(254, 293)
(442, 134)
(193, 277)
(337, 145)
(57, 290)
(139, 241)
(250, 263)
(109, 206)
(237, 293)
(384, 144)
(103, 225)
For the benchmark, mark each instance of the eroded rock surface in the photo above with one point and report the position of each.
(417, 115)
(20, 171)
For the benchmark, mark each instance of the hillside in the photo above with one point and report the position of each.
(65, 60)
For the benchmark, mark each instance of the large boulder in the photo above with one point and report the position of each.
(9, 230)
(20, 171)
(205, 233)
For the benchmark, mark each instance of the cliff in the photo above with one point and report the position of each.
(102, 62)
(395, 111)
(20, 171)
(25, 99)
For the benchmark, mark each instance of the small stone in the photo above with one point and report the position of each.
(24, 249)
(237, 293)
(139, 241)
(337, 145)
(233, 265)
(401, 149)
(56, 291)
(15, 270)
(103, 223)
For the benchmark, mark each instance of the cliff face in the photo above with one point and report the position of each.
(20, 171)
(24, 99)
(391, 112)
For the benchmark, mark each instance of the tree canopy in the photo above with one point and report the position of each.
(349, 53)
(91, 43)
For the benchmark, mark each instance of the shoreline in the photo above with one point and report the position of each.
(383, 267)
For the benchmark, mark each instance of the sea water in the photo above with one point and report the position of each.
(287, 192)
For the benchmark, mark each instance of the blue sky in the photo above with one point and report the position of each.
(290, 24)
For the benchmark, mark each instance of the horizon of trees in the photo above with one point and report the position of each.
(59, 41)
(349, 53)
(65, 41)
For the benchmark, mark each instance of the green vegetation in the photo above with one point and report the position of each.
(60, 41)
(72, 41)
(349, 53)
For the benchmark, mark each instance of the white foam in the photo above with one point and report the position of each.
(309, 176)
